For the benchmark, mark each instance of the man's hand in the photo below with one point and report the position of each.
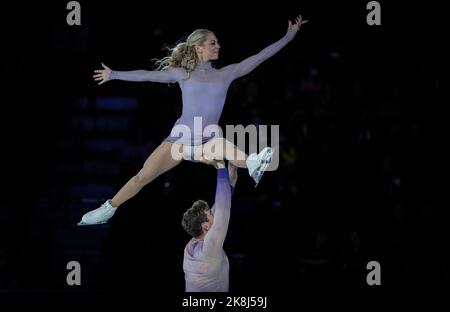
(232, 174)
(214, 162)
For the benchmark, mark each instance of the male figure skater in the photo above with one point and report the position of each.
(205, 263)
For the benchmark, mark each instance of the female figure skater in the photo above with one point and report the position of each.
(204, 89)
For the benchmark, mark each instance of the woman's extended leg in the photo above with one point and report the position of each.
(157, 163)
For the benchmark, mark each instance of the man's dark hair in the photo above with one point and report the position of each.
(194, 217)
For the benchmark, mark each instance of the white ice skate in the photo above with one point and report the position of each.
(98, 216)
(258, 163)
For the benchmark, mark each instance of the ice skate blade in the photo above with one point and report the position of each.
(81, 223)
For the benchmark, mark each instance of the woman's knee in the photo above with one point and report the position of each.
(143, 178)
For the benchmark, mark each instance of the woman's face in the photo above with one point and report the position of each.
(209, 50)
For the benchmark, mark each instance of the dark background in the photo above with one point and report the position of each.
(358, 108)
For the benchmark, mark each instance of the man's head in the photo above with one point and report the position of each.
(198, 219)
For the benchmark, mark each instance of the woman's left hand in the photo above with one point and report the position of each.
(298, 23)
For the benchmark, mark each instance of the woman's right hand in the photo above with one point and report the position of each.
(102, 75)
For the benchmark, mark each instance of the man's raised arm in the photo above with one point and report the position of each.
(215, 237)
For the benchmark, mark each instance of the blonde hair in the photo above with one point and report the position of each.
(183, 54)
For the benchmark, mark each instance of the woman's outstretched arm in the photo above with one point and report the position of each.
(168, 76)
(246, 66)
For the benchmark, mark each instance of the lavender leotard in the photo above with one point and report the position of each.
(203, 91)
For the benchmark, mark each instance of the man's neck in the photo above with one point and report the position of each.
(200, 237)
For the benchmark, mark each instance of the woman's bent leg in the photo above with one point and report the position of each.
(220, 148)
